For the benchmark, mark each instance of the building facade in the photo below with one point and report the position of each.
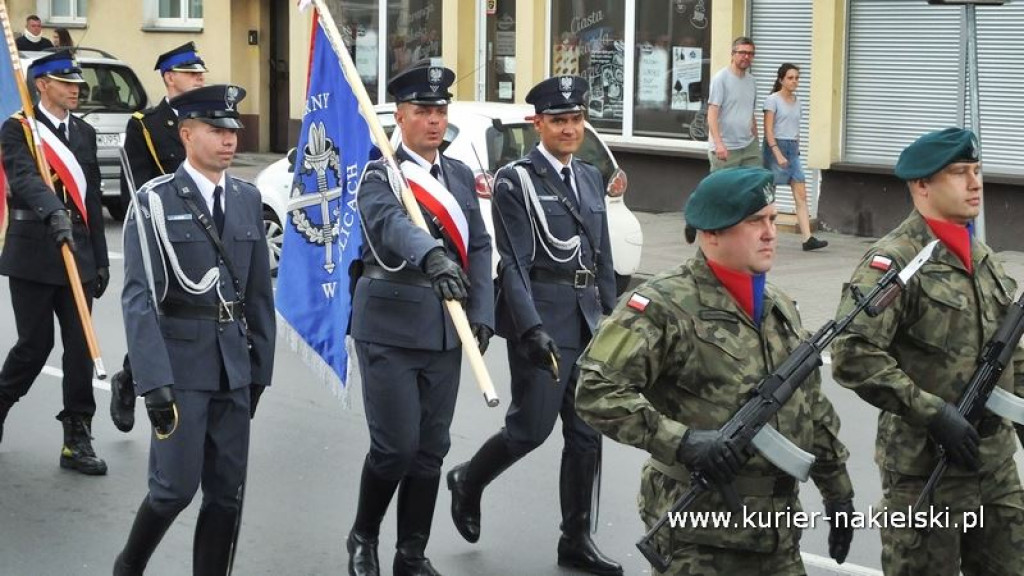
(875, 74)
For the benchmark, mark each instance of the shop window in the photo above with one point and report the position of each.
(414, 33)
(588, 40)
(358, 22)
(673, 40)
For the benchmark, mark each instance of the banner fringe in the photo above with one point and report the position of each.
(322, 372)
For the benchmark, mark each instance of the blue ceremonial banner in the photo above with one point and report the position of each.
(323, 235)
(10, 102)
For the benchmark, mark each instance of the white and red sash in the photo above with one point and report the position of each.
(440, 203)
(62, 161)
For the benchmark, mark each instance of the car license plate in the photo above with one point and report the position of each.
(108, 140)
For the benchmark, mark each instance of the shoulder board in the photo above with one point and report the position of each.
(242, 183)
(156, 182)
(581, 161)
(20, 115)
(457, 162)
(138, 115)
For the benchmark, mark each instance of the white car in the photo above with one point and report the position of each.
(485, 136)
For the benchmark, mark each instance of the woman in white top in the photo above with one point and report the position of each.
(782, 115)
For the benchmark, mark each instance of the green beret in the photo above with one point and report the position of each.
(725, 197)
(936, 150)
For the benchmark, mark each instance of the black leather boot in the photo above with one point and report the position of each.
(375, 495)
(213, 540)
(77, 453)
(416, 499)
(576, 489)
(467, 481)
(147, 531)
(122, 401)
(5, 407)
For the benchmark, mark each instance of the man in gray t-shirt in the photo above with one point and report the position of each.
(731, 107)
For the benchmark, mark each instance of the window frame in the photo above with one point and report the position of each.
(155, 23)
(45, 11)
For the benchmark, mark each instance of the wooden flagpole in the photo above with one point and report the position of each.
(455, 309)
(44, 171)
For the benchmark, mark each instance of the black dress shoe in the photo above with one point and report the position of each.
(465, 504)
(362, 555)
(122, 401)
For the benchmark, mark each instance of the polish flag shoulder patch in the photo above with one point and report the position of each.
(638, 302)
(880, 262)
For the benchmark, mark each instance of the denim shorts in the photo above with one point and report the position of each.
(791, 150)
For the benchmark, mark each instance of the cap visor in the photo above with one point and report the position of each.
(74, 78)
(564, 110)
(232, 123)
(194, 67)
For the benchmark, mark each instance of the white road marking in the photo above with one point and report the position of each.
(58, 373)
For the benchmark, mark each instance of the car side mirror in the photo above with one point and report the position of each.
(291, 159)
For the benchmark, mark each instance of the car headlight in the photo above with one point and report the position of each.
(617, 183)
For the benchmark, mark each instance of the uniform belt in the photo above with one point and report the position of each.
(225, 312)
(19, 214)
(745, 485)
(576, 278)
(406, 275)
(30, 216)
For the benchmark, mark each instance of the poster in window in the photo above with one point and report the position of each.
(652, 76)
(366, 53)
(605, 75)
(686, 75)
(505, 35)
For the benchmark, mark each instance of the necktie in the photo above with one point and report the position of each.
(567, 180)
(218, 212)
(63, 129)
(435, 171)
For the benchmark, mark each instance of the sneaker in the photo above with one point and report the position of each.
(813, 243)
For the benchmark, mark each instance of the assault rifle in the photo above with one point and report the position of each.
(981, 392)
(748, 429)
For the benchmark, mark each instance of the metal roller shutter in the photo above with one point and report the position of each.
(902, 78)
(781, 30)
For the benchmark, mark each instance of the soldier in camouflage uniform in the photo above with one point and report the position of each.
(678, 358)
(913, 361)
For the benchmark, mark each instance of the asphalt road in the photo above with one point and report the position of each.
(307, 452)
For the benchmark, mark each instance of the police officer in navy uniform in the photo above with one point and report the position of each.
(153, 148)
(409, 353)
(202, 346)
(555, 280)
(41, 221)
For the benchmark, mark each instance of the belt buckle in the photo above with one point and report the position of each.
(581, 279)
(225, 312)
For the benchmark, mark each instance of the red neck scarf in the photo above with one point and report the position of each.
(746, 289)
(957, 239)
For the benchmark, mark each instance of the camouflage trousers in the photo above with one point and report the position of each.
(699, 560)
(993, 502)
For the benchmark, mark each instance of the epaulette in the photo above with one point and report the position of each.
(235, 180)
(139, 115)
(155, 182)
